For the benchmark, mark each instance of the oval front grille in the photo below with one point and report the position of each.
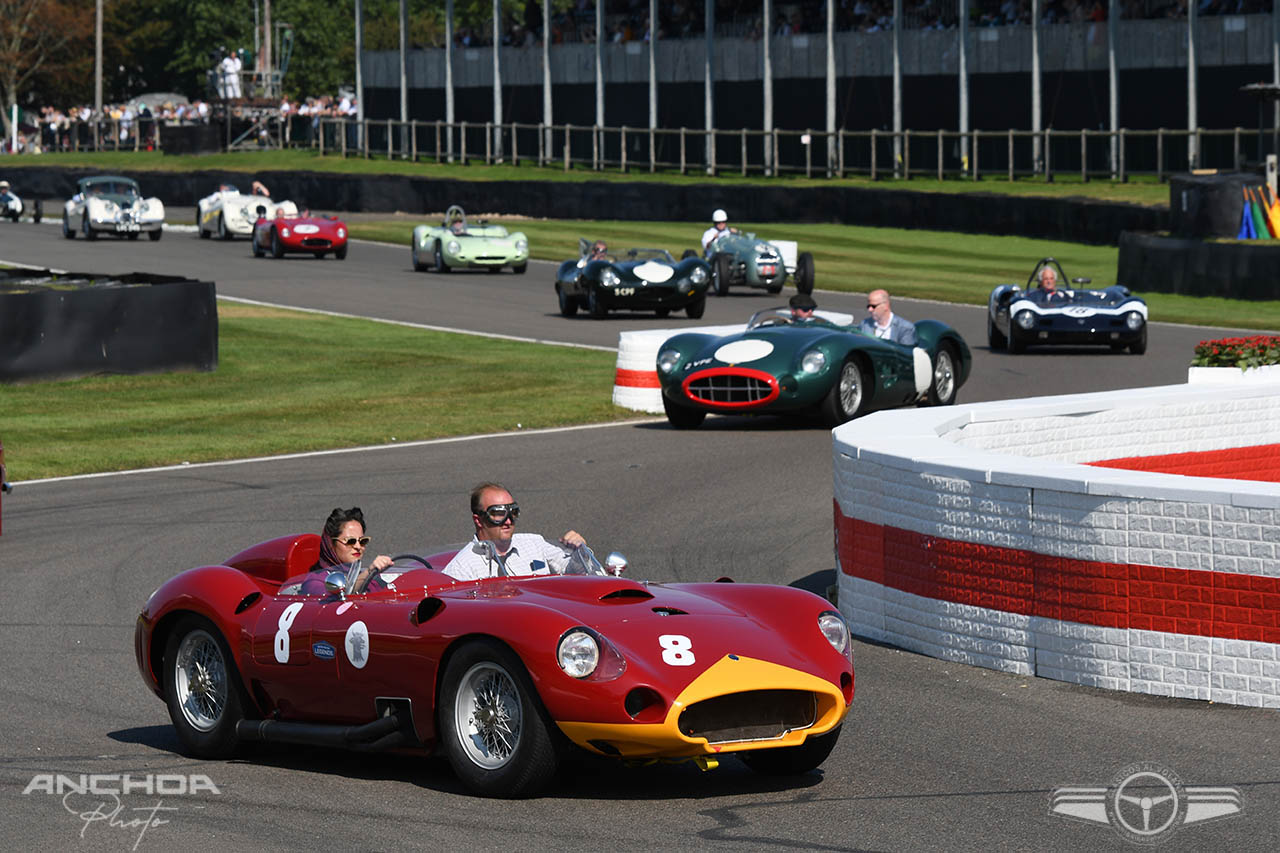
(751, 715)
(730, 388)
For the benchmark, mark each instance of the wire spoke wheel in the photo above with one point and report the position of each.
(850, 388)
(200, 680)
(490, 719)
(944, 379)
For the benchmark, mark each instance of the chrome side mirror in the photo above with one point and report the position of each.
(335, 583)
(615, 564)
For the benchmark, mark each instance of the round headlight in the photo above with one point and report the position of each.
(813, 361)
(698, 276)
(342, 233)
(1025, 319)
(1133, 320)
(284, 232)
(453, 247)
(833, 628)
(522, 245)
(668, 360)
(609, 278)
(578, 653)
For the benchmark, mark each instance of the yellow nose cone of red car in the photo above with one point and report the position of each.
(738, 704)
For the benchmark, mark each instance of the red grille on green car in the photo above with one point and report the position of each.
(731, 387)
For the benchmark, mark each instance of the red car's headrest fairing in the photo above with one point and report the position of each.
(277, 559)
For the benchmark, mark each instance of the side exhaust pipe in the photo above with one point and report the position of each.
(383, 733)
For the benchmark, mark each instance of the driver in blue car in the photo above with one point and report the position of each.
(496, 550)
(1049, 284)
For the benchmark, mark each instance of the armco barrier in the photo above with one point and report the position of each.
(977, 534)
(635, 383)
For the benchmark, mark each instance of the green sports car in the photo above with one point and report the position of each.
(740, 259)
(781, 365)
(458, 244)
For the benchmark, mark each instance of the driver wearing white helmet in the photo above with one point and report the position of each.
(719, 225)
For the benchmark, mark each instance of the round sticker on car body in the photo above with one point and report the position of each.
(738, 352)
(654, 272)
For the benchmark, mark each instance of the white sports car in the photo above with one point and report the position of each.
(11, 206)
(228, 212)
(110, 204)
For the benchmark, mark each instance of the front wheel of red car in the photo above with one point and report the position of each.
(341, 253)
(202, 689)
(277, 248)
(792, 760)
(493, 728)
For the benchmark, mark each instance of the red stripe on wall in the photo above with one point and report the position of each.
(1114, 595)
(637, 378)
(1261, 462)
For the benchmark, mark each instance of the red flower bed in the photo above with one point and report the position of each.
(1248, 352)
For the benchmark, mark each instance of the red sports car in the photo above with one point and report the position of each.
(313, 235)
(503, 675)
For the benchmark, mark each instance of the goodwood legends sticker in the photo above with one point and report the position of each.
(323, 651)
(357, 644)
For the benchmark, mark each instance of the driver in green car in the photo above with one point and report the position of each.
(802, 308)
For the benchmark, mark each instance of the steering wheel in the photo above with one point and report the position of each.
(776, 320)
(423, 560)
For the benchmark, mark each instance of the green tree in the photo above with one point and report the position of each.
(39, 41)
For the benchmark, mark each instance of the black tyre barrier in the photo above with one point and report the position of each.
(1208, 205)
(1077, 220)
(135, 323)
(1156, 263)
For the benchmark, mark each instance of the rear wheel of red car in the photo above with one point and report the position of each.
(202, 688)
(682, 417)
(493, 727)
(848, 395)
(804, 273)
(695, 308)
(792, 760)
(277, 248)
(721, 269)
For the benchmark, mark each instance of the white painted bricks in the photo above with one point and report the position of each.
(1008, 474)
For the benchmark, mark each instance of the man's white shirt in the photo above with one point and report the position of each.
(530, 554)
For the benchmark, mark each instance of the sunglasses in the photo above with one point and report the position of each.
(499, 513)
(352, 541)
(874, 304)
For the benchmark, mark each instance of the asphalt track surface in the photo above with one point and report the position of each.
(933, 755)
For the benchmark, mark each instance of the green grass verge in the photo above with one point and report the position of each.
(942, 265)
(290, 381)
(1146, 191)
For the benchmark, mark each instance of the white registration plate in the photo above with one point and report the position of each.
(127, 226)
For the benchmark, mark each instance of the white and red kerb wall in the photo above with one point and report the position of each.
(990, 534)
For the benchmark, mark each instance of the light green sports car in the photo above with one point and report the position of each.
(458, 244)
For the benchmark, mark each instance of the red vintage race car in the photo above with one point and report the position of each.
(503, 675)
(313, 235)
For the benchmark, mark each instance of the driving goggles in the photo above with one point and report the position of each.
(499, 513)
